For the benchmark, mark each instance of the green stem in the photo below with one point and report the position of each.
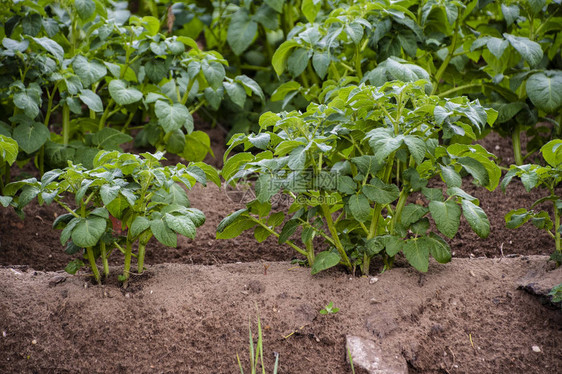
(254, 67)
(288, 242)
(105, 115)
(140, 256)
(516, 140)
(127, 266)
(328, 216)
(445, 63)
(310, 252)
(557, 229)
(65, 124)
(399, 206)
(358, 62)
(187, 91)
(366, 264)
(104, 259)
(93, 265)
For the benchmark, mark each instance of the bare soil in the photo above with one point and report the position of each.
(190, 311)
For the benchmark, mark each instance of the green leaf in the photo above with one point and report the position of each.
(163, 233)
(27, 101)
(14, 45)
(173, 117)
(92, 100)
(214, 73)
(476, 218)
(324, 260)
(250, 85)
(545, 90)
(85, 8)
(122, 94)
(446, 216)
(528, 49)
(181, 224)
(381, 192)
(261, 233)
(450, 176)
(31, 24)
(31, 136)
(231, 218)
(236, 228)
(241, 31)
(416, 146)
(417, 253)
(412, 213)
(73, 266)
(89, 72)
(297, 62)
(139, 225)
(552, 152)
(359, 207)
(405, 72)
(279, 60)
(310, 9)
(346, 185)
(510, 13)
(51, 46)
(275, 4)
(236, 93)
(8, 150)
(439, 248)
(110, 139)
(321, 62)
(537, 5)
(476, 169)
(516, 218)
(197, 146)
(288, 230)
(88, 231)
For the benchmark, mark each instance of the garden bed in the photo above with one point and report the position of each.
(189, 312)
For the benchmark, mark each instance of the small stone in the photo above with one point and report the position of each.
(4, 334)
(497, 147)
(57, 279)
(373, 280)
(373, 359)
(536, 348)
(35, 342)
(472, 274)
(127, 295)
(374, 301)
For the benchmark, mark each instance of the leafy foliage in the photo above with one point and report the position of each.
(350, 165)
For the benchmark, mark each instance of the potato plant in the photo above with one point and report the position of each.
(144, 196)
(547, 177)
(348, 167)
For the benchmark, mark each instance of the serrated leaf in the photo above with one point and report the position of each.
(122, 94)
(446, 216)
(88, 231)
(476, 218)
(324, 260)
(417, 253)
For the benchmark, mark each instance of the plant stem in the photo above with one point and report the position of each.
(104, 259)
(93, 265)
(127, 266)
(516, 140)
(358, 62)
(399, 206)
(65, 124)
(328, 216)
(140, 256)
(557, 229)
(310, 252)
(445, 63)
(288, 242)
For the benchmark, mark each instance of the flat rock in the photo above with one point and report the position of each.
(540, 282)
(373, 359)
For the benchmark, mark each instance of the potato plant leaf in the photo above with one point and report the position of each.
(122, 94)
(88, 231)
(476, 218)
(325, 260)
(446, 216)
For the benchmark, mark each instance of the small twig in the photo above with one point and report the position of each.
(265, 267)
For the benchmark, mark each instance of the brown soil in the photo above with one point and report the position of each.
(194, 319)
(189, 312)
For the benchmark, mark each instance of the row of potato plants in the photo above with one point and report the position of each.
(365, 132)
